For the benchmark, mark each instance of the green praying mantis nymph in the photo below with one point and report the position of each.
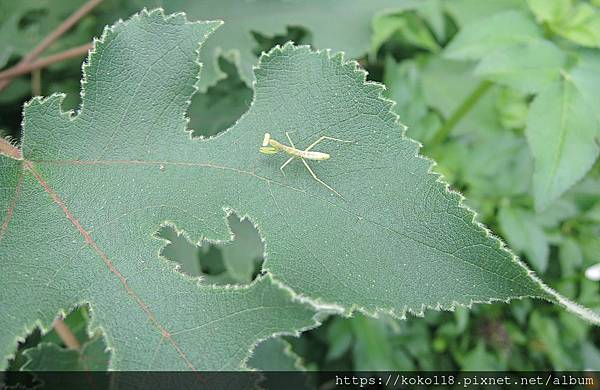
(270, 146)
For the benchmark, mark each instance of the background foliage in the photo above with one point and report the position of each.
(503, 94)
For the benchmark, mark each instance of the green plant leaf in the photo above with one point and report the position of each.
(76, 321)
(350, 32)
(497, 165)
(339, 337)
(432, 11)
(549, 10)
(180, 250)
(24, 24)
(525, 235)
(528, 67)
(442, 92)
(241, 255)
(223, 103)
(79, 209)
(561, 132)
(591, 356)
(85, 248)
(403, 85)
(50, 357)
(468, 11)
(576, 21)
(230, 262)
(481, 37)
(408, 26)
(275, 354)
(480, 359)
(512, 108)
(570, 256)
(21, 27)
(372, 349)
(547, 333)
(586, 79)
(13, 41)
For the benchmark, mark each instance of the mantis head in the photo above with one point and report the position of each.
(266, 148)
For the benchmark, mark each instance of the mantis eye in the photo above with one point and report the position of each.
(266, 139)
(268, 150)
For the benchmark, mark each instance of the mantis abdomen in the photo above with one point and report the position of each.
(308, 154)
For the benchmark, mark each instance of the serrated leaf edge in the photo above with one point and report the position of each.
(57, 98)
(320, 305)
(552, 295)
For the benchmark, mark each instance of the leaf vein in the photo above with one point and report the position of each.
(90, 241)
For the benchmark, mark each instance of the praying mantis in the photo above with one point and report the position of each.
(270, 146)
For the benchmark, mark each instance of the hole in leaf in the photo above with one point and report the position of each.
(233, 262)
(222, 104)
(41, 352)
(225, 102)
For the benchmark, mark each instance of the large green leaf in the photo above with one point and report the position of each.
(230, 262)
(79, 210)
(22, 27)
(372, 349)
(524, 234)
(467, 11)
(409, 28)
(527, 67)
(481, 37)
(13, 40)
(92, 234)
(275, 355)
(222, 104)
(350, 32)
(561, 130)
(51, 357)
(573, 20)
(586, 78)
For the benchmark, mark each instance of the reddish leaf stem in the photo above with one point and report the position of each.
(8, 149)
(65, 334)
(42, 63)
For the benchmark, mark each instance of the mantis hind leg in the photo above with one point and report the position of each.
(323, 138)
(319, 180)
(289, 160)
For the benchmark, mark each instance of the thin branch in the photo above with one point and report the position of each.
(61, 29)
(65, 334)
(8, 149)
(44, 62)
(54, 35)
(36, 82)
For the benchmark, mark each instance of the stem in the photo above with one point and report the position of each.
(466, 106)
(18, 70)
(7, 149)
(54, 35)
(36, 82)
(65, 334)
